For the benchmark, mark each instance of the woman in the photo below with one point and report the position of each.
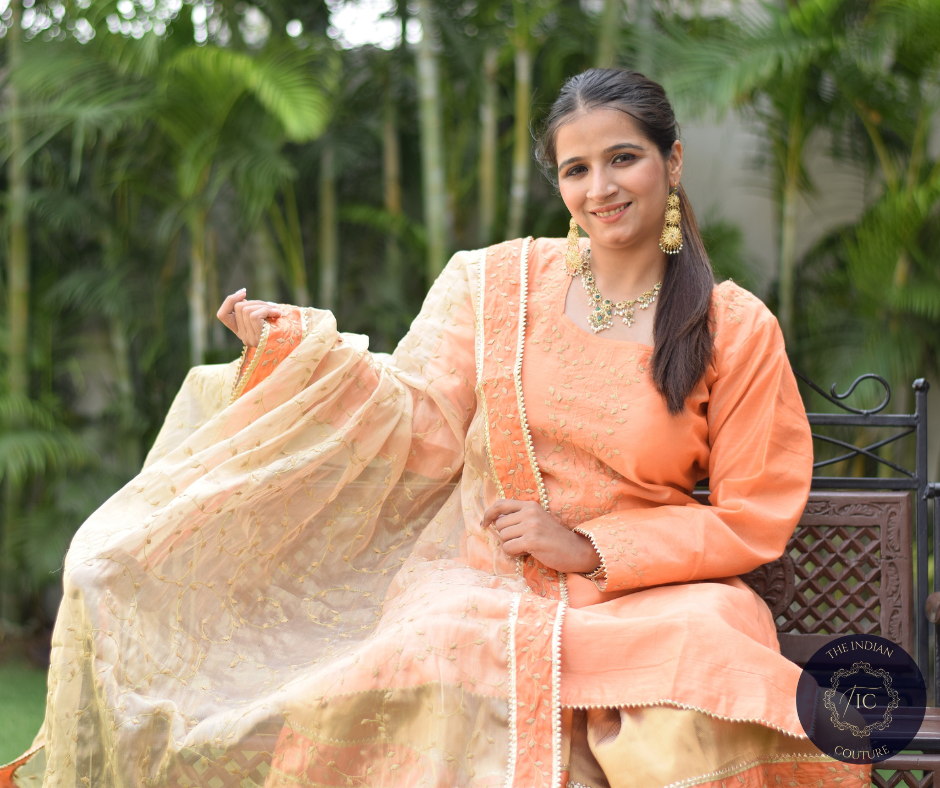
(476, 561)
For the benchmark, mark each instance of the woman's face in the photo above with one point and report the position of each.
(613, 179)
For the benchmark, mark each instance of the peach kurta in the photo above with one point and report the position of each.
(296, 590)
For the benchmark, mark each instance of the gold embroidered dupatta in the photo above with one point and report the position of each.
(296, 590)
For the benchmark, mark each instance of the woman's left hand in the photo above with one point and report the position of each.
(524, 527)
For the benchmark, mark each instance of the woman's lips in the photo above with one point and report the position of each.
(614, 212)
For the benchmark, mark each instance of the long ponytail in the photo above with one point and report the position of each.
(682, 335)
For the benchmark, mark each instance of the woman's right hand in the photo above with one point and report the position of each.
(246, 318)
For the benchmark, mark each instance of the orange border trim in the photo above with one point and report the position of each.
(534, 658)
(245, 375)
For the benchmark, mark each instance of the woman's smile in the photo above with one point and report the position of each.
(611, 214)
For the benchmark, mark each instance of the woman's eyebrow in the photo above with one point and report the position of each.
(611, 149)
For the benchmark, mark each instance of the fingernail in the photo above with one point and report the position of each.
(242, 290)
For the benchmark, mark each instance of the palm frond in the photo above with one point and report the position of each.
(385, 222)
(61, 210)
(284, 82)
(922, 301)
(721, 71)
(32, 441)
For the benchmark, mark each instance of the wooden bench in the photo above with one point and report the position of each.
(857, 562)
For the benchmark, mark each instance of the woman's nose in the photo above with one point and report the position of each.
(601, 187)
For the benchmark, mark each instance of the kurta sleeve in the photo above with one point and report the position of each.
(760, 470)
(436, 360)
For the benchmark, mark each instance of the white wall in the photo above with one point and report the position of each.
(724, 181)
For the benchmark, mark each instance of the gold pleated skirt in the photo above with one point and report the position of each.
(660, 746)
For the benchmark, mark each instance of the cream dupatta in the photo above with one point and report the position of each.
(296, 589)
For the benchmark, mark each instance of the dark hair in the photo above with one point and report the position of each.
(682, 334)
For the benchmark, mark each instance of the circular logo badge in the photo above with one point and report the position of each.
(861, 699)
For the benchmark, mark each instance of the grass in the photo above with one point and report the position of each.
(22, 705)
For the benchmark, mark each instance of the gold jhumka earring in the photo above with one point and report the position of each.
(671, 239)
(574, 260)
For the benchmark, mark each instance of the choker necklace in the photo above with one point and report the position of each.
(604, 309)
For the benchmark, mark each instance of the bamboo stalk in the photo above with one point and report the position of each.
(391, 156)
(124, 389)
(217, 331)
(432, 144)
(391, 175)
(263, 264)
(18, 263)
(115, 248)
(295, 248)
(609, 34)
(18, 315)
(644, 26)
(788, 222)
(877, 141)
(280, 250)
(489, 110)
(521, 150)
(329, 231)
(198, 287)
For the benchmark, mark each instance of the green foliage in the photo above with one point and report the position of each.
(169, 169)
(32, 441)
(724, 243)
(23, 700)
(206, 82)
(872, 300)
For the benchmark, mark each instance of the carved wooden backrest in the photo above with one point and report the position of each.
(847, 570)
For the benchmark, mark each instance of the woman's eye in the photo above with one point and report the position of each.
(576, 170)
(622, 157)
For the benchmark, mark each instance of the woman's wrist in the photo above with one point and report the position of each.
(598, 575)
(587, 558)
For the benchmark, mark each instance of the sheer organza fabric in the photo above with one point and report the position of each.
(296, 590)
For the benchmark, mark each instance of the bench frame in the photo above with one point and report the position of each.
(898, 505)
(913, 480)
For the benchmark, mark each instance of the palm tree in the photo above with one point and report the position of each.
(105, 94)
(772, 67)
(879, 278)
(208, 95)
(64, 89)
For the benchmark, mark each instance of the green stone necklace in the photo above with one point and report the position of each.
(604, 309)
